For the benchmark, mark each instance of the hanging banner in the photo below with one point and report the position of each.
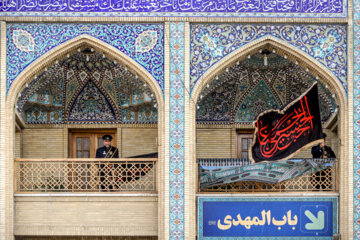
(281, 133)
(266, 172)
(234, 218)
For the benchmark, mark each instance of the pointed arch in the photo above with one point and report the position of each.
(314, 67)
(283, 48)
(72, 45)
(48, 59)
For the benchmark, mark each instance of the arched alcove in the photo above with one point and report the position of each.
(31, 87)
(215, 76)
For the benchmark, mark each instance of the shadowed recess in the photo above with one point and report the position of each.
(249, 88)
(87, 87)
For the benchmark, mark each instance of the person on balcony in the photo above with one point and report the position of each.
(106, 169)
(107, 151)
(322, 151)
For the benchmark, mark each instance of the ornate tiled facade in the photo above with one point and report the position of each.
(27, 42)
(212, 42)
(90, 88)
(177, 127)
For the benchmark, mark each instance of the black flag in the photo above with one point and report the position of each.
(280, 134)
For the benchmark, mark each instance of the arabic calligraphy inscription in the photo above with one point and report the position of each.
(211, 6)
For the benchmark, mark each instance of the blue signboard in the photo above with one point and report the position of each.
(226, 218)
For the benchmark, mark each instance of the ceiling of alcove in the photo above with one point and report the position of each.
(249, 88)
(87, 87)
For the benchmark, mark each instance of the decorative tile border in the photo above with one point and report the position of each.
(212, 42)
(3, 162)
(177, 127)
(270, 199)
(356, 119)
(186, 8)
(27, 42)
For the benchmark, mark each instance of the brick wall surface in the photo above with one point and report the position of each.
(213, 143)
(86, 216)
(43, 143)
(138, 141)
(221, 143)
(17, 144)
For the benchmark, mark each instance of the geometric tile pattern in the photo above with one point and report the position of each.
(169, 8)
(248, 88)
(356, 119)
(87, 87)
(177, 119)
(91, 105)
(120, 36)
(212, 42)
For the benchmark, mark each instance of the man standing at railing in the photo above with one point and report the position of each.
(107, 151)
(321, 151)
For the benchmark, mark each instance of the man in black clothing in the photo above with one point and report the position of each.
(107, 151)
(322, 151)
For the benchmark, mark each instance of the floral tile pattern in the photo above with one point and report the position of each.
(212, 42)
(177, 119)
(27, 42)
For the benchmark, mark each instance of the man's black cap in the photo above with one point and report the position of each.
(107, 137)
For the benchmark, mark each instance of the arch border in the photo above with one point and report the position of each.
(47, 59)
(69, 46)
(314, 67)
(305, 60)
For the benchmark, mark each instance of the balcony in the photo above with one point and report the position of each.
(85, 175)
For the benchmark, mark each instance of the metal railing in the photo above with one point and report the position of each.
(85, 175)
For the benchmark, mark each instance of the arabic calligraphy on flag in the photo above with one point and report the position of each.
(281, 133)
